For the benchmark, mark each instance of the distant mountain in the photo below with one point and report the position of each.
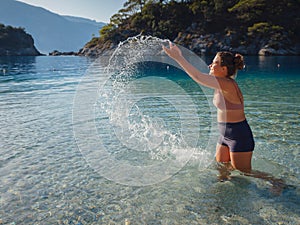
(84, 21)
(50, 31)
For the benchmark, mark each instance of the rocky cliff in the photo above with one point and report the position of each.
(16, 42)
(256, 27)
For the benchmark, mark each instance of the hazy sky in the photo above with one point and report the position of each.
(99, 10)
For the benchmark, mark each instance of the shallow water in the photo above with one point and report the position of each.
(46, 178)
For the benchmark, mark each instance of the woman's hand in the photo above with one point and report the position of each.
(173, 51)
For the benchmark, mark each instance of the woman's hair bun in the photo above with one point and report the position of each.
(238, 61)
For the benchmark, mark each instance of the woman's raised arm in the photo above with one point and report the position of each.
(204, 79)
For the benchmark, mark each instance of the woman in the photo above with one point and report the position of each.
(236, 143)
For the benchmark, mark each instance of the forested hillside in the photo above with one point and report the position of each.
(15, 41)
(206, 26)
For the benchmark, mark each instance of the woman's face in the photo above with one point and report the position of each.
(216, 69)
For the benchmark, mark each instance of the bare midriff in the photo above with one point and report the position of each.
(231, 116)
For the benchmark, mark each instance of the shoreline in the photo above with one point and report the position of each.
(95, 56)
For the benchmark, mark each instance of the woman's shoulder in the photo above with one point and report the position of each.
(227, 84)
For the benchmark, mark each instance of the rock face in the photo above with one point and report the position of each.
(16, 42)
(58, 53)
(211, 43)
(31, 51)
(98, 49)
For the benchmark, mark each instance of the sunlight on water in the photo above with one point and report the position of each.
(46, 178)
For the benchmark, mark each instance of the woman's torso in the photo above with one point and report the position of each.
(230, 105)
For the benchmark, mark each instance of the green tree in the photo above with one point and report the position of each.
(239, 18)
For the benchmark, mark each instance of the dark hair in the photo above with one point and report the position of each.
(232, 62)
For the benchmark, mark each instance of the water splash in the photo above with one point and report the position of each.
(142, 127)
(135, 49)
(135, 127)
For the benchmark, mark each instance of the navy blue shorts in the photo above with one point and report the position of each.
(237, 136)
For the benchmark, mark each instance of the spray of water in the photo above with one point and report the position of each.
(125, 98)
(140, 127)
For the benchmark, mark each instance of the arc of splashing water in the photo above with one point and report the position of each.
(85, 131)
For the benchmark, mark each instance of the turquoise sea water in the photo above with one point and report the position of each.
(48, 178)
